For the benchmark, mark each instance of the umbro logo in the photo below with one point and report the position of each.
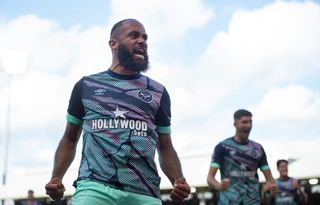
(99, 91)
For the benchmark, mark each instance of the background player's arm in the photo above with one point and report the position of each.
(170, 165)
(211, 178)
(213, 183)
(216, 161)
(64, 156)
(270, 182)
(266, 197)
(303, 197)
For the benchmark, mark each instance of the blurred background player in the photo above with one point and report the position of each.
(30, 200)
(290, 191)
(238, 159)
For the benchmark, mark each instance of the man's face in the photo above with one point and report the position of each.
(132, 47)
(30, 195)
(283, 169)
(243, 126)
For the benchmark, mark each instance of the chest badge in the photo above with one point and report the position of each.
(145, 96)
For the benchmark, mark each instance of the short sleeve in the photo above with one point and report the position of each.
(263, 162)
(163, 116)
(217, 156)
(75, 108)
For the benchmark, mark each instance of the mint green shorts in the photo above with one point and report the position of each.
(91, 192)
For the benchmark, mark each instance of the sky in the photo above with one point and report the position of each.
(214, 57)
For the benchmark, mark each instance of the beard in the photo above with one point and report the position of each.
(127, 61)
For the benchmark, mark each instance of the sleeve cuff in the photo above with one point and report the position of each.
(164, 129)
(265, 167)
(73, 120)
(215, 165)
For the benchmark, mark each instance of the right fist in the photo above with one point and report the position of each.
(181, 190)
(224, 184)
(55, 189)
(272, 187)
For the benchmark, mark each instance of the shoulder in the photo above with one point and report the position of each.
(85, 78)
(153, 83)
(96, 75)
(224, 143)
(255, 144)
(228, 141)
(291, 179)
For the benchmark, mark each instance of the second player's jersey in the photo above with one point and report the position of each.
(287, 192)
(121, 117)
(239, 163)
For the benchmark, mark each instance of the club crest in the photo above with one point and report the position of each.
(145, 96)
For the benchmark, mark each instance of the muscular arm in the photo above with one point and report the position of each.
(66, 150)
(168, 158)
(170, 165)
(64, 156)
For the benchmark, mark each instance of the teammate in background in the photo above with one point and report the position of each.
(31, 200)
(290, 191)
(125, 117)
(238, 159)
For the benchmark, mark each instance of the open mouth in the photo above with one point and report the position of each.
(246, 131)
(139, 52)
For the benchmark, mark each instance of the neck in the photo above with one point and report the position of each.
(117, 68)
(240, 139)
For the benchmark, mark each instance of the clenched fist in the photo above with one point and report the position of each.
(181, 190)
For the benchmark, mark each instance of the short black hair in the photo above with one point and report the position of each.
(240, 113)
(115, 28)
(280, 161)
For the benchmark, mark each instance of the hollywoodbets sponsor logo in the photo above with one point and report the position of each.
(138, 127)
(242, 173)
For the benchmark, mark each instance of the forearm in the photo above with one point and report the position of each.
(170, 163)
(66, 150)
(63, 158)
(270, 182)
(302, 196)
(213, 183)
(268, 176)
(211, 178)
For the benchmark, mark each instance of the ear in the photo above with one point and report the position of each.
(113, 43)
